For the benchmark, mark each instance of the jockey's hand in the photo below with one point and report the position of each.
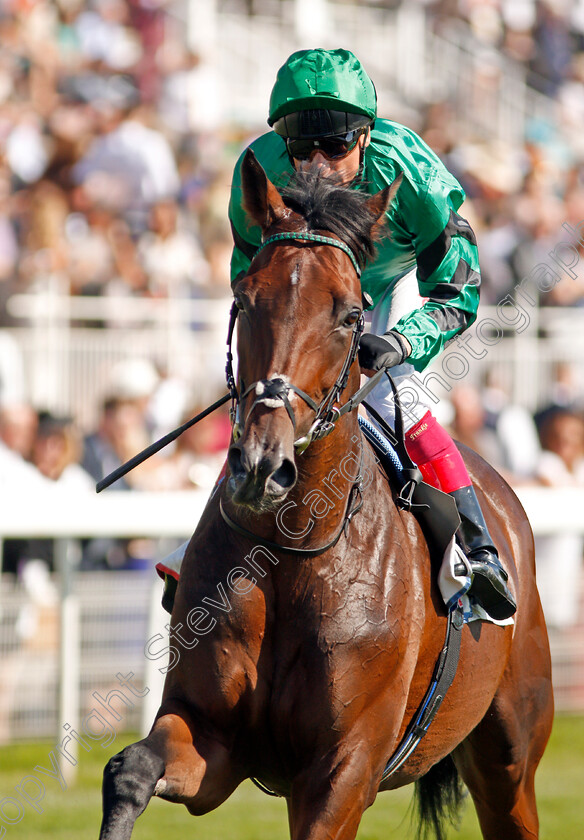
(377, 352)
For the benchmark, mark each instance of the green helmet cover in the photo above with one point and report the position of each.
(328, 79)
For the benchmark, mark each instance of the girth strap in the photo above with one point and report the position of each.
(444, 674)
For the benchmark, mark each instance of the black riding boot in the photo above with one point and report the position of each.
(489, 584)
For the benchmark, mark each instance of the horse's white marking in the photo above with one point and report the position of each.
(271, 403)
(160, 787)
(295, 275)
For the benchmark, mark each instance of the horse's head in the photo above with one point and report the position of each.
(299, 320)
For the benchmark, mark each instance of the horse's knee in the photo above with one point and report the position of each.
(132, 774)
(129, 780)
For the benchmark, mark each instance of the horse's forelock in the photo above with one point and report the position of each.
(327, 204)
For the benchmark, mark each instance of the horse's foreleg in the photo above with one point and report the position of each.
(328, 800)
(175, 762)
(129, 781)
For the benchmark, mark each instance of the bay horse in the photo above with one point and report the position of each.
(302, 668)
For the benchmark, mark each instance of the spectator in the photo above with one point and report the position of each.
(553, 47)
(559, 556)
(17, 431)
(16, 473)
(104, 36)
(56, 452)
(123, 426)
(18, 428)
(130, 165)
(469, 427)
(45, 251)
(513, 426)
(12, 377)
(91, 258)
(192, 101)
(170, 255)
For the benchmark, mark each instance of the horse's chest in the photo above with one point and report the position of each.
(333, 651)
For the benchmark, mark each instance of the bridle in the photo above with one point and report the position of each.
(326, 413)
(276, 390)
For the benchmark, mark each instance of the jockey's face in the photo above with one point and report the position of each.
(346, 167)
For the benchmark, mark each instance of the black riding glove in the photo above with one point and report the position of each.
(377, 352)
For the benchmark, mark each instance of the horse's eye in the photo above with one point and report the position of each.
(352, 318)
(239, 302)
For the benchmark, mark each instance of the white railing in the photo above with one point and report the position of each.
(66, 367)
(113, 513)
(48, 307)
(167, 518)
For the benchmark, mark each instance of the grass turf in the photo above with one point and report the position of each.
(74, 814)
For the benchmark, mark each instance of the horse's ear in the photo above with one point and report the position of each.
(261, 199)
(379, 203)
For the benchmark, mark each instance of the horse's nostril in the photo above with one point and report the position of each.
(235, 463)
(286, 474)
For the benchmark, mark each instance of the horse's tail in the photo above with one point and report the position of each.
(438, 798)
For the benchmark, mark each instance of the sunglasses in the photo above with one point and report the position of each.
(334, 148)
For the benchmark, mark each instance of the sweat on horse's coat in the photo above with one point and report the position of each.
(308, 682)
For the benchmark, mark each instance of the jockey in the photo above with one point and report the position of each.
(423, 283)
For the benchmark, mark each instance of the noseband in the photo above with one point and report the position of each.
(275, 391)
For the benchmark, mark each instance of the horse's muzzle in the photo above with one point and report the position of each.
(258, 479)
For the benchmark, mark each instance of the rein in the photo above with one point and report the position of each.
(326, 414)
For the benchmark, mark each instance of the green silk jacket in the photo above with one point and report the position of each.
(425, 232)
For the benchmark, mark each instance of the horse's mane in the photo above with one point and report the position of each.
(328, 205)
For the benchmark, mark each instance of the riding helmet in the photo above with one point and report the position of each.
(320, 93)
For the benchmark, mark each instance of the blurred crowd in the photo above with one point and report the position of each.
(544, 36)
(544, 449)
(116, 157)
(520, 195)
(115, 165)
(41, 450)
